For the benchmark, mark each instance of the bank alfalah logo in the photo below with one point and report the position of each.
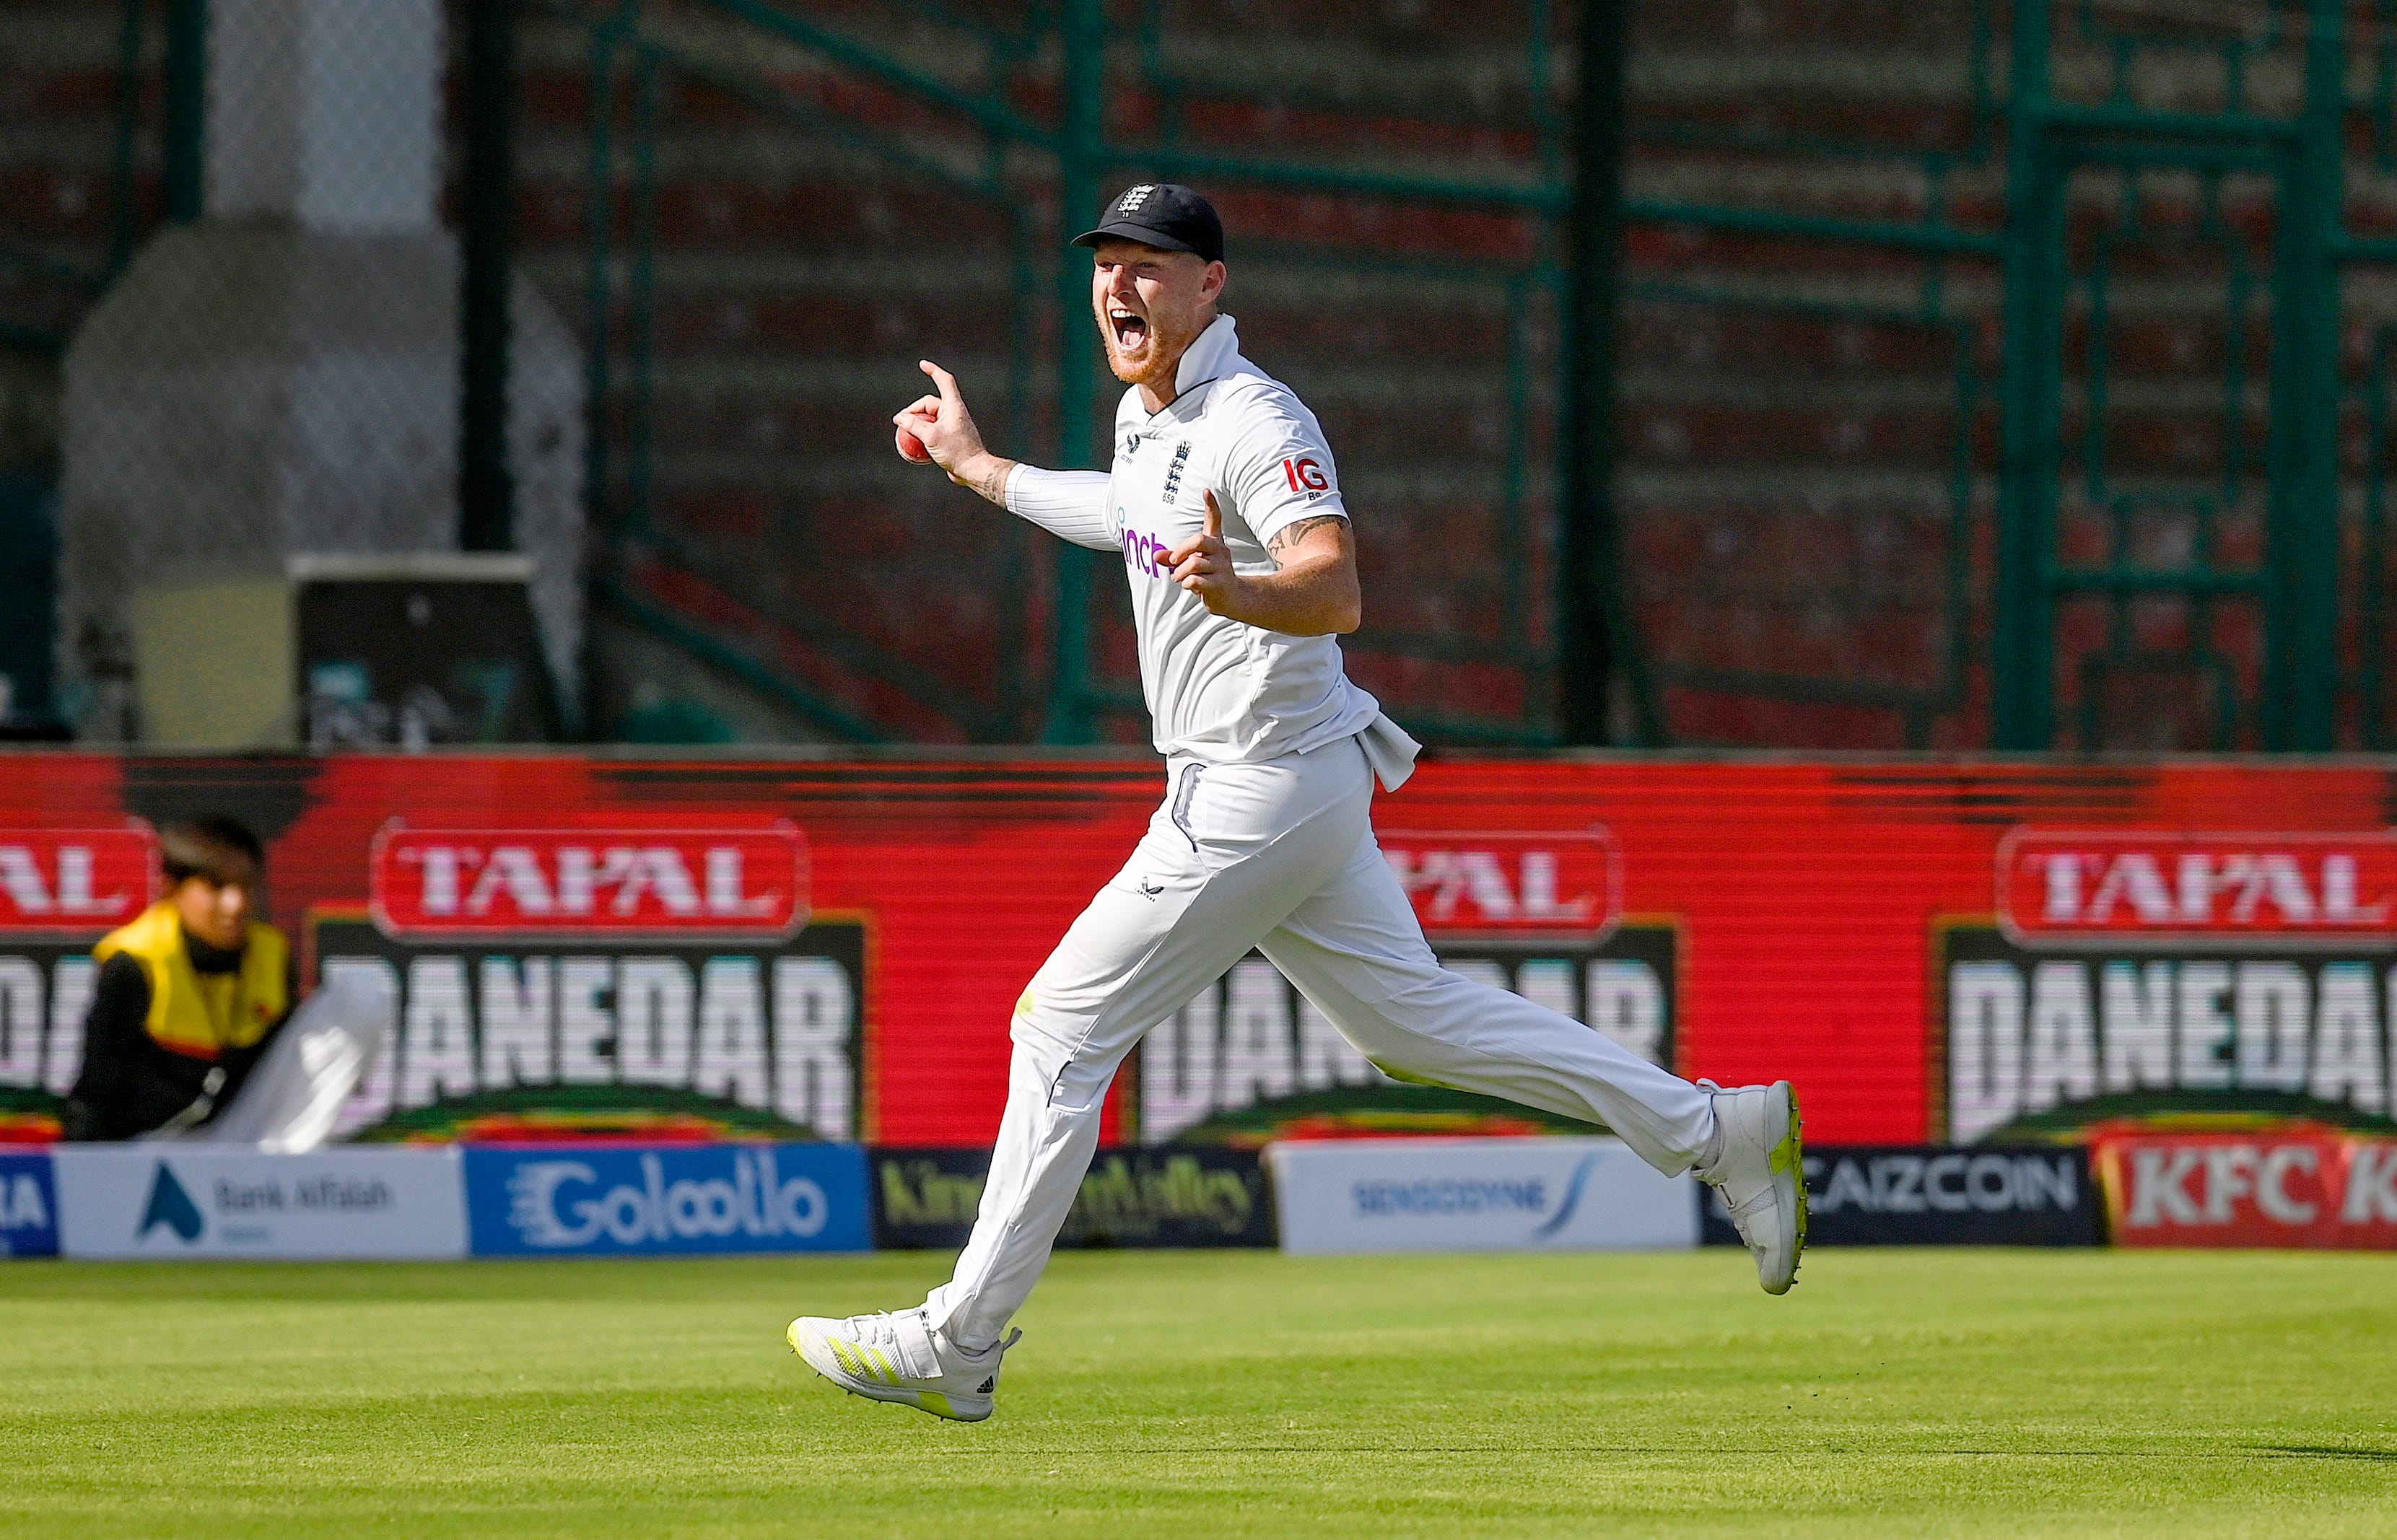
(171, 1206)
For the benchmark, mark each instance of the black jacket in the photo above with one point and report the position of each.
(131, 1085)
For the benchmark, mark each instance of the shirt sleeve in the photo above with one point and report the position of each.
(1069, 504)
(1280, 469)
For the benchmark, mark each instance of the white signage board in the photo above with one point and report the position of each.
(1477, 1195)
(165, 1199)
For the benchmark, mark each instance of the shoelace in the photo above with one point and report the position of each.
(881, 1330)
(875, 1330)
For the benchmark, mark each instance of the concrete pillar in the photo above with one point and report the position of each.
(325, 113)
(282, 376)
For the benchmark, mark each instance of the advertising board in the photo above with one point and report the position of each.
(1932, 1196)
(615, 980)
(28, 1205)
(925, 1199)
(162, 1199)
(1476, 1195)
(1934, 951)
(62, 888)
(2135, 975)
(593, 1199)
(2310, 1189)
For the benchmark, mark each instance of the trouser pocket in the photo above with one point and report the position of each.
(1185, 795)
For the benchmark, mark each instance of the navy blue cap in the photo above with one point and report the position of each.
(1163, 214)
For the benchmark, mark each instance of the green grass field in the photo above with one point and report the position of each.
(1901, 1393)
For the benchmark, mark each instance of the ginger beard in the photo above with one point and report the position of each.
(1150, 305)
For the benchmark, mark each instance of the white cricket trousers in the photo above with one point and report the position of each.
(1278, 856)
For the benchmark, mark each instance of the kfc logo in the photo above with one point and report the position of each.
(2279, 887)
(575, 882)
(75, 880)
(2300, 1189)
(1510, 884)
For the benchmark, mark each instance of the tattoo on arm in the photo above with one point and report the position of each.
(990, 478)
(1295, 531)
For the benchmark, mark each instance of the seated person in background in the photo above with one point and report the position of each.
(188, 1035)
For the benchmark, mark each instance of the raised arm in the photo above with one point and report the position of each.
(1070, 504)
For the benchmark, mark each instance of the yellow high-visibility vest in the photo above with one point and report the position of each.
(204, 1014)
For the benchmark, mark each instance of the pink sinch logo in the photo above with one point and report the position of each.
(1143, 552)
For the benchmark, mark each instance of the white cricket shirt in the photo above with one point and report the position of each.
(1218, 690)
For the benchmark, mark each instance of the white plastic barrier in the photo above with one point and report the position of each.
(1477, 1195)
(176, 1200)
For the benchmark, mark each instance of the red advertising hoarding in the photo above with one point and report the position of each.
(627, 881)
(1943, 951)
(2306, 1187)
(74, 880)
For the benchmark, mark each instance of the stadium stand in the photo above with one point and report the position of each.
(1808, 427)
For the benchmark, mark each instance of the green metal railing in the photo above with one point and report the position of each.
(2078, 587)
(2104, 163)
(633, 47)
(636, 58)
(1937, 245)
(1076, 153)
(158, 95)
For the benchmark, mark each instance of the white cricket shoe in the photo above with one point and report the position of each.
(900, 1358)
(1760, 1172)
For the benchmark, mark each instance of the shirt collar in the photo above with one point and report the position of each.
(1210, 354)
(212, 960)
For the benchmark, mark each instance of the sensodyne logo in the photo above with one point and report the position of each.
(558, 1204)
(1457, 1196)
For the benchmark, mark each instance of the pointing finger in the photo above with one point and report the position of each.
(1215, 518)
(946, 381)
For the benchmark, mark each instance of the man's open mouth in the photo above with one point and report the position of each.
(1129, 330)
